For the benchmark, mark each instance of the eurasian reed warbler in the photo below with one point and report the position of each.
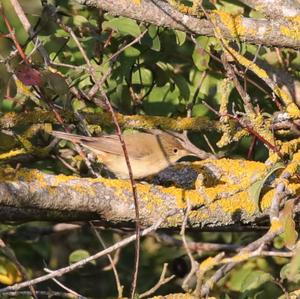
(148, 153)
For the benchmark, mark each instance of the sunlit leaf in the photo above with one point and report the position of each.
(9, 273)
(180, 37)
(123, 25)
(132, 52)
(142, 76)
(255, 279)
(291, 271)
(78, 255)
(201, 58)
(79, 20)
(255, 189)
(290, 234)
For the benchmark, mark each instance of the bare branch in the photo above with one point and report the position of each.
(162, 280)
(160, 13)
(275, 8)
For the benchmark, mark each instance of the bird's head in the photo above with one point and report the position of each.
(173, 147)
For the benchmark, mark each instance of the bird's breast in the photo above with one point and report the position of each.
(141, 167)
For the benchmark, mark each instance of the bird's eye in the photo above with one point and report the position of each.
(175, 150)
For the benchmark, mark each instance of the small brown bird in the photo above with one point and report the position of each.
(148, 153)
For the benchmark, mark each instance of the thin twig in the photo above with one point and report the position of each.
(162, 280)
(63, 286)
(27, 26)
(137, 39)
(193, 262)
(209, 144)
(197, 247)
(135, 198)
(247, 68)
(12, 36)
(192, 104)
(244, 95)
(65, 163)
(248, 128)
(100, 239)
(119, 133)
(48, 294)
(220, 273)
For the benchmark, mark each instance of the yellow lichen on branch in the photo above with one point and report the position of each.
(12, 154)
(288, 148)
(233, 23)
(291, 107)
(292, 28)
(10, 120)
(220, 192)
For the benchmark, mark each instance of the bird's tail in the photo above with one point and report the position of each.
(71, 137)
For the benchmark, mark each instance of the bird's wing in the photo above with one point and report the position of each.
(104, 143)
(136, 147)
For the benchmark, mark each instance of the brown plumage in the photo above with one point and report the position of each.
(148, 153)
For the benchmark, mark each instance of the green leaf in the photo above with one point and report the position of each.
(290, 234)
(79, 20)
(132, 52)
(156, 46)
(287, 272)
(255, 279)
(230, 6)
(55, 82)
(255, 189)
(121, 98)
(201, 58)
(78, 104)
(203, 42)
(154, 36)
(61, 33)
(142, 76)
(7, 105)
(180, 37)
(162, 101)
(161, 76)
(78, 255)
(123, 25)
(183, 87)
(200, 110)
(152, 31)
(291, 271)
(237, 278)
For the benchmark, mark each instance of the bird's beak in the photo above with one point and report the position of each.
(192, 154)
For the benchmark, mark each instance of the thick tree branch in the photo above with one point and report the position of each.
(10, 120)
(219, 199)
(272, 32)
(275, 8)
